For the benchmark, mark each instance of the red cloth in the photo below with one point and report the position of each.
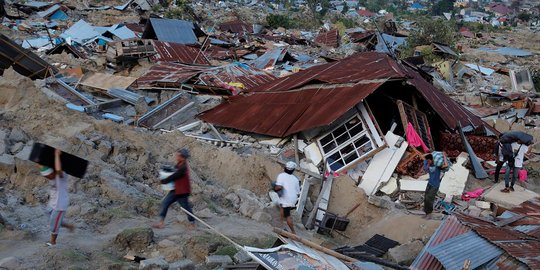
(472, 194)
(182, 185)
(414, 139)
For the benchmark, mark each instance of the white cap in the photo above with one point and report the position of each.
(290, 165)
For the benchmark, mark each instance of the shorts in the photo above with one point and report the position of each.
(55, 221)
(287, 211)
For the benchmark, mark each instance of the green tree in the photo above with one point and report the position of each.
(428, 31)
(442, 6)
(524, 16)
(345, 8)
(278, 20)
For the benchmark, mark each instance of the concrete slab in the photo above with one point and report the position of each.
(390, 187)
(511, 199)
(383, 164)
(313, 153)
(412, 185)
(455, 179)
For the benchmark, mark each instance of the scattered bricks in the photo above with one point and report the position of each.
(154, 264)
(218, 260)
(182, 265)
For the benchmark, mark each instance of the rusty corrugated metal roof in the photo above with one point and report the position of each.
(329, 38)
(237, 27)
(173, 75)
(449, 228)
(176, 52)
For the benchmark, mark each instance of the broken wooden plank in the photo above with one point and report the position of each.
(412, 185)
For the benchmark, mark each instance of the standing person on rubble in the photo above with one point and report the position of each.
(289, 186)
(435, 164)
(514, 164)
(182, 188)
(58, 197)
(503, 148)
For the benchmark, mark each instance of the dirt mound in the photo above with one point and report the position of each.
(13, 89)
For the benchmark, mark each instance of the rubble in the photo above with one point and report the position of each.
(135, 238)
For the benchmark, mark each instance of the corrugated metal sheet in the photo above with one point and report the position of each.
(269, 59)
(167, 75)
(468, 246)
(237, 27)
(122, 32)
(171, 30)
(250, 77)
(49, 11)
(23, 61)
(80, 32)
(286, 113)
(330, 38)
(175, 52)
(449, 228)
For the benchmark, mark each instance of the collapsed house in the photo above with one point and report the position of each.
(346, 107)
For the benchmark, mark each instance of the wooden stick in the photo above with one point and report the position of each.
(466, 265)
(313, 245)
(352, 209)
(296, 154)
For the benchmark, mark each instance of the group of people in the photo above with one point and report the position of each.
(511, 149)
(287, 185)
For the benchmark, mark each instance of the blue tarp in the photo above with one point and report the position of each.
(59, 15)
(417, 6)
(392, 42)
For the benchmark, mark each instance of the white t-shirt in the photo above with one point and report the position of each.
(291, 189)
(519, 150)
(58, 194)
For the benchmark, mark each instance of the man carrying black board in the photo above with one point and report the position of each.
(58, 197)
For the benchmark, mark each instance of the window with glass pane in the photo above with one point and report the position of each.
(346, 143)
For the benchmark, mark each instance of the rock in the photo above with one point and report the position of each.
(218, 260)
(406, 253)
(3, 136)
(115, 187)
(7, 163)
(234, 199)
(16, 148)
(136, 238)
(17, 135)
(24, 154)
(9, 263)
(241, 257)
(262, 217)
(154, 264)
(205, 213)
(383, 202)
(73, 210)
(105, 148)
(186, 264)
(172, 253)
(130, 111)
(166, 243)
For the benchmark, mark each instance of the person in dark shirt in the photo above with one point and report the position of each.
(182, 189)
(434, 164)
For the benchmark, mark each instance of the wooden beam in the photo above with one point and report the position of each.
(313, 245)
(296, 155)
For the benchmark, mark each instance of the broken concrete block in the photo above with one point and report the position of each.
(154, 264)
(482, 204)
(313, 153)
(9, 263)
(309, 166)
(166, 243)
(17, 135)
(7, 163)
(390, 187)
(205, 213)
(24, 154)
(186, 264)
(16, 148)
(406, 253)
(3, 136)
(105, 148)
(135, 238)
(218, 260)
(241, 257)
(383, 202)
(412, 185)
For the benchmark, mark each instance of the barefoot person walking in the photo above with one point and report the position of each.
(289, 186)
(58, 197)
(182, 188)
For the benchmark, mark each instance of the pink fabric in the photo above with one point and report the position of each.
(522, 175)
(414, 139)
(472, 194)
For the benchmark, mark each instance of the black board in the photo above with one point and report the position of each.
(72, 165)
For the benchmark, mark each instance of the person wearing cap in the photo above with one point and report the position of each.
(58, 197)
(289, 186)
(182, 188)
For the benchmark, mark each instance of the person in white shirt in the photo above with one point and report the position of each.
(518, 149)
(58, 197)
(289, 186)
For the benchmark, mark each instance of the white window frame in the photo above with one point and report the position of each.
(365, 132)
